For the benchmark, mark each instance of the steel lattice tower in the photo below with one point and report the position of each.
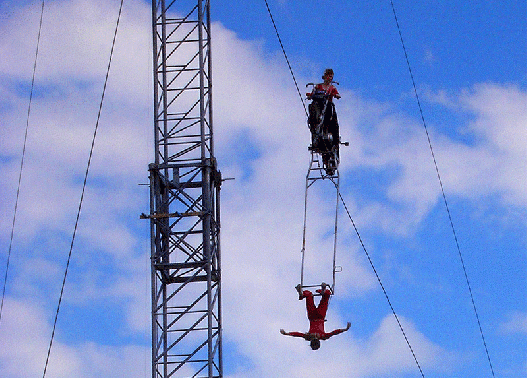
(184, 197)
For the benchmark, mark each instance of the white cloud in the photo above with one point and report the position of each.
(393, 144)
(25, 338)
(493, 163)
(501, 120)
(261, 214)
(387, 350)
(515, 324)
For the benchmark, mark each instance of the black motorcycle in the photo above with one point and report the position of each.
(324, 126)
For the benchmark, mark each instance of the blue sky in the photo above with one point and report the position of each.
(469, 64)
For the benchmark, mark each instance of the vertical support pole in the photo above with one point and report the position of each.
(337, 187)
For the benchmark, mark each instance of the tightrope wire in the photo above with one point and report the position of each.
(382, 287)
(22, 160)
(83, 189)
(442, 190)
(285, 55)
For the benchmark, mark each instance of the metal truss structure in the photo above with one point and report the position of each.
(184, 197)
(317, 173)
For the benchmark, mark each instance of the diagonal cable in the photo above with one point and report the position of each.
(382, 287)
(443, 191)
(22, 160)
(83, 190)
(285, 55)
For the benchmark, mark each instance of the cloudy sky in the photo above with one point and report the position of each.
(468, 61)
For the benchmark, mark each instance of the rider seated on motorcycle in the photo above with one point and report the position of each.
(326, 87)
(319, 93)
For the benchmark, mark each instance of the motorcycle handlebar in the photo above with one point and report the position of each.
(333, 82)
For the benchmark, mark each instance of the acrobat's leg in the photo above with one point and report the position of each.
(323, 305)
(310, 305)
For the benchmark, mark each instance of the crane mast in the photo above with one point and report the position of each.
(184, 196)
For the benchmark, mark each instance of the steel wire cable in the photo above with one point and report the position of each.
(285, 56)
(382, 286)
(22, 161)
(83, 190)
(442, 189)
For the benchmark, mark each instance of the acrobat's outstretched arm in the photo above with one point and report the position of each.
(336, 332)
(294, 334)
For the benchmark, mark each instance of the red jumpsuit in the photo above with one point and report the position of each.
(329, 89)
(316, 316)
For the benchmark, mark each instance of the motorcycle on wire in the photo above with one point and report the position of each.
(324, 126)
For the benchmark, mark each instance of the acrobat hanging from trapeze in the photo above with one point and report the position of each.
(316, 316)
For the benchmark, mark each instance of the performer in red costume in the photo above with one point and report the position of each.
(316, 316)
(327, 87)
(321, 93)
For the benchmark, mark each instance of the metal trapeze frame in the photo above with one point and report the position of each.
(184, 197)
(315, 173)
